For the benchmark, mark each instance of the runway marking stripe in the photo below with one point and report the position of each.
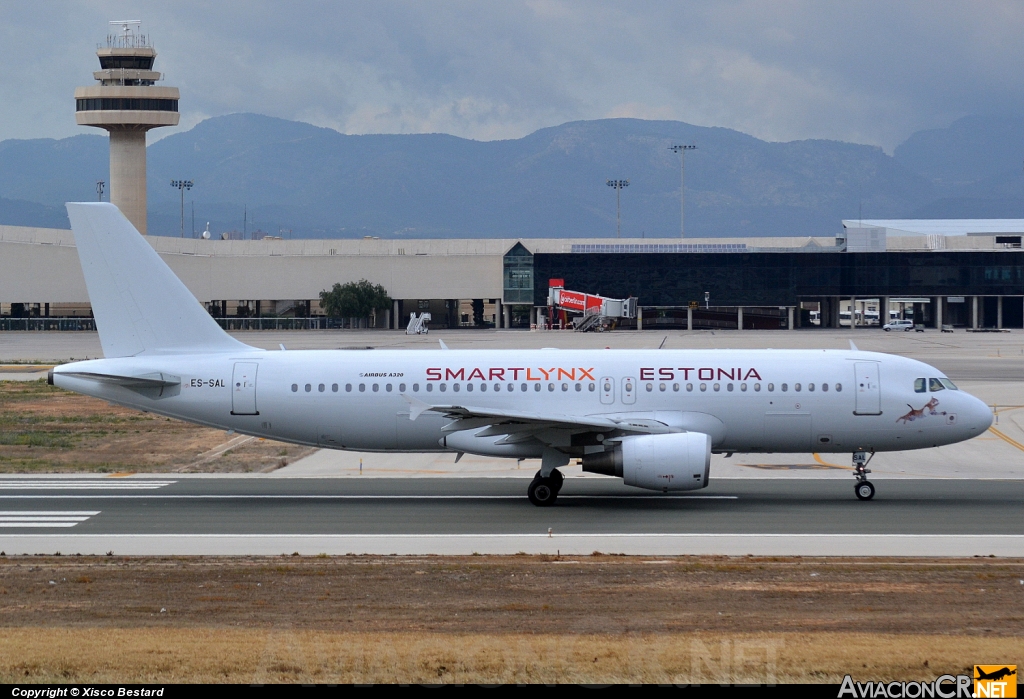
(1006, 438)
(656, 496)
(46, 513)
(556, 535)
(25, 525)
(11, 519)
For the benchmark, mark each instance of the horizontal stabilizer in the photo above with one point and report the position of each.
(140, 306)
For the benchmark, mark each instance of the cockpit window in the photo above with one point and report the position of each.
(935, 385)
(949, 384)
(919, 386)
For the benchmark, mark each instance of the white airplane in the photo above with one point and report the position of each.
(652, 418)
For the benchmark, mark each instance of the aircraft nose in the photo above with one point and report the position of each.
(978, 414)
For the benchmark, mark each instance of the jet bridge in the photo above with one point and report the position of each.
(586, 312)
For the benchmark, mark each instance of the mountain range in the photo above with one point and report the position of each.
(294, 179)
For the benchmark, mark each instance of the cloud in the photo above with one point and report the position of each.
(870, 72)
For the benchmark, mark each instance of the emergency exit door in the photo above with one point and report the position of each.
(869, 393)
(243, 389)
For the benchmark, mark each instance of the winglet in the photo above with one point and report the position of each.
(443, 346)
(416, 406)
(853, 346)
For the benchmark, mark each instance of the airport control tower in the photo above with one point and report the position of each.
(127, 103)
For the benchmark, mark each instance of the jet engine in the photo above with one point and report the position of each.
(657, 461)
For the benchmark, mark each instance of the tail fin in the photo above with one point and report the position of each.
(140, 306)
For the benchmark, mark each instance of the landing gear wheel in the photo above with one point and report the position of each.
(865, 490)
(542, 492)
(556, 479)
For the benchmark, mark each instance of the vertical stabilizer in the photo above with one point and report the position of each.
(140, 306)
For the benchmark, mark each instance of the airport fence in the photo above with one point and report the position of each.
(314, 323)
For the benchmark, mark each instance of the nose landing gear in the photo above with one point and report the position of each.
(543, 491)
(863, 488)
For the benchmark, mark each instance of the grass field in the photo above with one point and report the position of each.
(494, 619)
(44, 429)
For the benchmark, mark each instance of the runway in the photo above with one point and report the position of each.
(184, 515)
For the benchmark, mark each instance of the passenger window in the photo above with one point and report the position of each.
(321, 388)
(376, 387)
(824, 387)
(579, 387)
(796, 387)
(388, 388)
(497, 387)
(415, 388)
(455, 387)
(511, 387)
(717, 387)
(703, 387)
(662, 387)
(522, 387)
(810, 387)
(401, 388)
(675, 387)
(551, 387)
(650, 387)
(935, 385)
(919, 386)
(689, 388)
(308, 388)
(430, 387)
(483, 387)
(362, 388)
(443, 387)
(334, 388)
(536, 387)
(743, 387)
(728, 387)
(839, 387)
(295, 388)
(757, 388)
(565, 387)
(771, 387)
(469, 387)
(785, 387)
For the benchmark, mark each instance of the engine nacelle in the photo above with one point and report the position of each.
(657, 461)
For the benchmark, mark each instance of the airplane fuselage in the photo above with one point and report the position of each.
(746, 400)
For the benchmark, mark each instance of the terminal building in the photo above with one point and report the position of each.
(959, 280)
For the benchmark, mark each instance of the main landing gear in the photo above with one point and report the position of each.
(543, 491)
(863, 488)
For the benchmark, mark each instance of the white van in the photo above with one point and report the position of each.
(904, 325)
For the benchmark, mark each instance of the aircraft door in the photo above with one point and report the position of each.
(629, 390)
(869, 393)
(607, 390)
(243, 389)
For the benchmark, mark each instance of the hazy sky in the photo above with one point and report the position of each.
(865, 71)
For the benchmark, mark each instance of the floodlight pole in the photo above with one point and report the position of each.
(618, 185)
(182, 185)
(100, 184)
(681, 150)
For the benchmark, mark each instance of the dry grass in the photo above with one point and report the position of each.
(287, 655)
(44, 429)
(494, 619)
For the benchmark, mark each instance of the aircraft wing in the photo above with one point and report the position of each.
(465, 417)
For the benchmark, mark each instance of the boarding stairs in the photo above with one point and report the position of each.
(597, 313)
(418, 324)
